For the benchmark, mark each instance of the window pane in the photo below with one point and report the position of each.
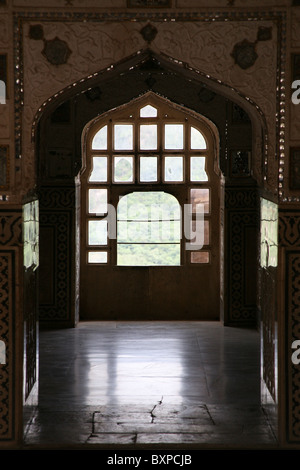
(123, 137)
(100, 139)
(197, 140)
(200, 257)
(148, 169)
(173, 168)
(149, 229)
(123, 169)
(148, 137)
(149, 232)
(200, 196)
(99, 170)
(148, 111)
(149, 205)
(97, 201)
(148, 255)
(97, 232)
(200, 227)
(97, 257)
(198, 172)
(173, 136)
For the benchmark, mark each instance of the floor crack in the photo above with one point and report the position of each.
(152, 414)
(210, 416)
(154, 407)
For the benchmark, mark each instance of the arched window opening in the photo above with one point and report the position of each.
(164, 154)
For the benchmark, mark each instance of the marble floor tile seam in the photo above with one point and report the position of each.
(160, 428)
(161, 437)
(222, 420)
(181, 438)
(178, 407)
(52, 404)
(143, 428)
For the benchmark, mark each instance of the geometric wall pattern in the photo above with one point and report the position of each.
(241, 229)
(57, 209)
(10, 258)
(289, 236)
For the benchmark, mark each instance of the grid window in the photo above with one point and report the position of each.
(147, 145)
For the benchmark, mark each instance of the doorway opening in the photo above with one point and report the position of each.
(125, 153)
(150, 215)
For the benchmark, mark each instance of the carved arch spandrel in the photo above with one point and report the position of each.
(165, 66)
(43, 79)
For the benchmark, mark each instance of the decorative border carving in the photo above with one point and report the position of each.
(4, 166)
(59, 309)
(10, 228)
(236, 198)
(241, 209)
(292, 261)
(239, 311)
(149, 3)
(295, 168)
(11, 237)
(289, 229)
(6, 296)
(57, 206)
(289, 232)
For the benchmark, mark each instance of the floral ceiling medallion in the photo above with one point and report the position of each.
(56, 51)
(244, 54)
(149, 33)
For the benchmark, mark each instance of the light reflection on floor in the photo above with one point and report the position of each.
(131, 383)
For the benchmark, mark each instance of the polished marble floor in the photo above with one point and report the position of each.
(143, 384)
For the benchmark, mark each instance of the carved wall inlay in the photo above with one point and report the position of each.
(4, 166)
(293, 333)
(264, 34)
(241, 213)
(289, 233)
(6, 273)
(57, 209)
(36, 32)
(295, 168)
(149, 32)
(244, 54)
(56, 51)
(10, 258)
(10, 229)
(289, 229)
